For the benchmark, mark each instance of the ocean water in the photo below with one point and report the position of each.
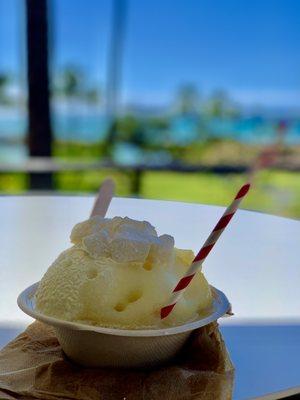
(182, 130)
(89, 128)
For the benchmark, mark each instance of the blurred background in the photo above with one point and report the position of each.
(173, 99)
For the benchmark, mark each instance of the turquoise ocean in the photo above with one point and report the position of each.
(92, 128)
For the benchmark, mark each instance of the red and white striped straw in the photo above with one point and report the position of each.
(204, 251)
(265, 159)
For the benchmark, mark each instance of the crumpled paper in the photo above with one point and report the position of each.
(33, 366)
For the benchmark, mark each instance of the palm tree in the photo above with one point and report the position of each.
(188, 99)
(93, 96)
(114, 71)
(70, 83)
(4, 80)
(220, 105)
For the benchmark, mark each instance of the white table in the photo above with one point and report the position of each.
(256, 263)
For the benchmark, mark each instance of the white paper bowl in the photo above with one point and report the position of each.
(104, 347)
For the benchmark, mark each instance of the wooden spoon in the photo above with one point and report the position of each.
(103, 199)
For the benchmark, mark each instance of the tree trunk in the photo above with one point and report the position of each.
(39, 134)
(114, 71)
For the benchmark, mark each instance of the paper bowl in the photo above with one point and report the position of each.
(93, 346)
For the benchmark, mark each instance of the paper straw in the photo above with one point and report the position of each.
(269, 155)
(264, 160)
(204, 251)
(103, 199)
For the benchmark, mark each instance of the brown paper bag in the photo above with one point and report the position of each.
(33, 366)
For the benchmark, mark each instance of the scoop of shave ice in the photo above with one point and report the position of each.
(119, 273)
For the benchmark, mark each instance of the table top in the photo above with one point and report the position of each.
(256, 263)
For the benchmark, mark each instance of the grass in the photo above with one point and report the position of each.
(13, 183)
(275, 192)
(89, 181)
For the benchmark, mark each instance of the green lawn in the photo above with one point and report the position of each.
(274, 192)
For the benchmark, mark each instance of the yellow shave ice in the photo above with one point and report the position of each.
(118, 274)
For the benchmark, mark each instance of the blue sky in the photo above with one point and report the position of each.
(249, 48)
